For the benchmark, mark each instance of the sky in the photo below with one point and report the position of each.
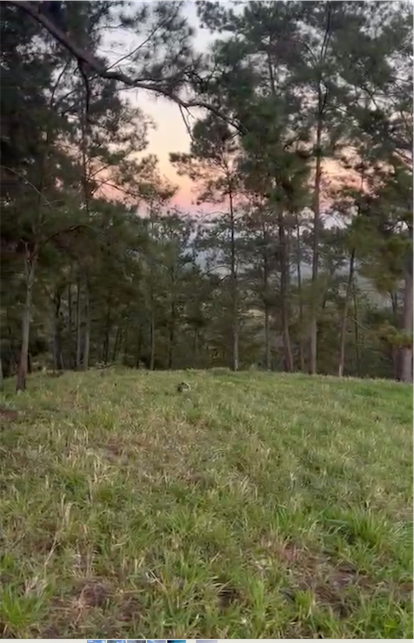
(170, 134)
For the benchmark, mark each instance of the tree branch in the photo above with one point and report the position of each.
(26, 180)
(73, 228)
(33, 9)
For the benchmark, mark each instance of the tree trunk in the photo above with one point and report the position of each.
(139, 346)
(284, 268)
(356, 330)
(395, 353)
(171, 337)
(1, 375)
(105, 355)
(78, 325)
(86, 197)
(11, 364)
(342, 342)
(234, 293)
(195, 348)
(70, 329)
(57, 339)
(235, 361)
(87, 342)
(394, 305)
(300, 296)
(30, 265)
(152, 333)
(116, 343)
(126, 344)
(284, 294)
(313, 325)
(406, 352)
(268, 354)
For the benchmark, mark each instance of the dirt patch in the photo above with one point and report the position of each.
(329, 584)
(51, 632)
(331, 588)
(129, 609)
(44, 544)
(8, 414)
(194, 478)
(227, 596)
(60, 621)
(405, 589)
(115, 446)
(93, 594)
(343, 575)
(67, 613)
(401, 593)
(115, 450)
(316, 572)
(288, 553)
(326, 595)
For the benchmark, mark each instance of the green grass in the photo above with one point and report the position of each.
(253, 506)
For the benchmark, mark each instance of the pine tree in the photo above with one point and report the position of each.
(212, 162)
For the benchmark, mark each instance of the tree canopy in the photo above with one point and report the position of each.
(299, 121)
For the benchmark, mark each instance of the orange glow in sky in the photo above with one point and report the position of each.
(170, 133)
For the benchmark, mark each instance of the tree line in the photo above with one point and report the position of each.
(299, 117)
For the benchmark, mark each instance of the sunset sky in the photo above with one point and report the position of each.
(170, 134)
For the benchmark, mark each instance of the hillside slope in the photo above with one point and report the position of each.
(252, 506)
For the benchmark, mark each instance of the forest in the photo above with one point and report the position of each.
(300, 151)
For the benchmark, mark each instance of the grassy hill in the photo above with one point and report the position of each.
(254, 505)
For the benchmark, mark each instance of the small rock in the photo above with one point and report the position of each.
(183, 386)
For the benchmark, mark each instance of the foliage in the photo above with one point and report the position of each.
(97, 266)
